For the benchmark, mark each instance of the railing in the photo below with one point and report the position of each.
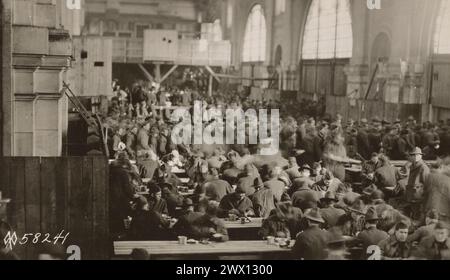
(190, 52)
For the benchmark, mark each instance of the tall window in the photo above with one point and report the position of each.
(442, 32)
(255, 36)
(328, 30)
(440, 86)
(280, 7)
(327, 45)
(230, 14)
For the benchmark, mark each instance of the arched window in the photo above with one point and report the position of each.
(326, 47)
(254, 49)
(280, 7)
(217, 30)
(328, 30)
(230, 14)
(441, 47)
(442, 31)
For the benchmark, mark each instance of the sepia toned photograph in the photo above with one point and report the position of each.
(217, 132)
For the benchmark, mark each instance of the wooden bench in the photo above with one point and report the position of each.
(173, 250)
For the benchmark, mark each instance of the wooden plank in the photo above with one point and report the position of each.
(32, 179)
(62, 194)
(49, 222)
(17, 187)
(155, 248)
(5, 167)
(174, 67)
(100, 202)
(86, 222)
(145, 72)
(76, 203)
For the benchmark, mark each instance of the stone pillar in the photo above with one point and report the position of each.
(40, 58)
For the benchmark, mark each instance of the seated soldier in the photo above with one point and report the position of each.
(437, 246)
(396, 246)
(329, 213)
(385, 177)
(304, 198)
(368, 170)
(277, 224)
(247, 180)
(312, 243)
(343, 226)
(263, 199)
(164, 175)
(328, 183)
(371, 235)
(148, 224)
(215, 188)
(236, 203)
(173, 200)
(155, 201)
(318, 172)
(184, 225)
(293, 170)
(277, 186)
(305, 172)
(431, 220)
(209, 226)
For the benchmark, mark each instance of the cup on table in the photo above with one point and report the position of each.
(270, 240)
(182, 240)
(243, 220)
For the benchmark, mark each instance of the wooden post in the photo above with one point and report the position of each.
(210, 87)
(146, 73)
(158, 72)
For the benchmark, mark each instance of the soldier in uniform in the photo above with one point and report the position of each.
(362, 138)
(375, 136)
(418, 174)
(132, 142)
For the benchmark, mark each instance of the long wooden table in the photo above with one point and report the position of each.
(248, 231)
(255, 223)
(396, 163)
(173, 250)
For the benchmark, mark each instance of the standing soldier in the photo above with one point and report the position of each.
(142, 139)
(362, 139)
(132, 142)
(419, 172)
(375, 135)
